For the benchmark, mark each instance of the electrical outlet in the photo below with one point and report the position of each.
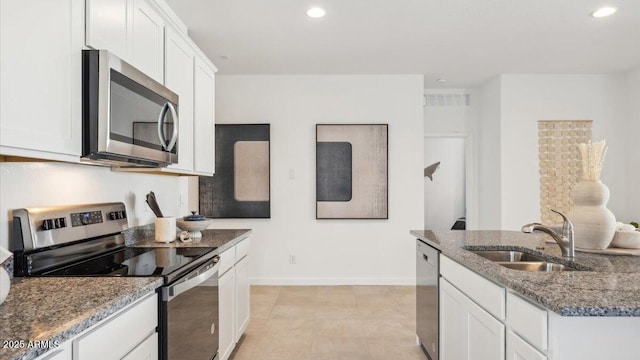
(292, 259)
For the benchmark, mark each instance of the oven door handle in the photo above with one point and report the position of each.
(189, 284)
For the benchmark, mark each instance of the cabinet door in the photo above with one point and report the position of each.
(453, 330)
(41, 69)
(518, 349)
(131, 327)
(467, 331)
(147, 350)
(108, 26)
(204, 118)
(242, 296)
(179, 79)
(226, 310)
(147, 40)
(485, 334)
(63, 352)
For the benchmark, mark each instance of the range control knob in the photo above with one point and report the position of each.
(113, 215)
(85, 219)
(63, 222)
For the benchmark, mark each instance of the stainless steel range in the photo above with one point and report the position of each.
(88, 240)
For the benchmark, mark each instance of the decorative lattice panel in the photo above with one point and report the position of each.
(560, 166)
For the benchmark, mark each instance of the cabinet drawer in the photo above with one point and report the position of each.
(242, 249)
(148, 350)
(227, 259)
(119, 336)
(527, 320)
(485, 293)
(518, 349)
(63, 352)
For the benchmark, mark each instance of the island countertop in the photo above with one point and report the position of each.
(605, 285)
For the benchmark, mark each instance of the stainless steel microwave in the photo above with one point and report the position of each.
(128, 119)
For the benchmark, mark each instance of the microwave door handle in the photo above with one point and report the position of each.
(174, 137)
(163, 113)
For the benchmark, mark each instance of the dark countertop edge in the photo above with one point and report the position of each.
(108, 310)
(235, 241)
(565, 311)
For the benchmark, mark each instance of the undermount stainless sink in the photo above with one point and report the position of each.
(518, 260)
(543, 266)
(506, 255)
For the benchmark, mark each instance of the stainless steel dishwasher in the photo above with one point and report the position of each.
(427, 305)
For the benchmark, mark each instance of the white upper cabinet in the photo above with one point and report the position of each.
(41, 78)
(147, 40)
(204, 117)
(41, 74)
(130, 29)
(109, 26)
(179, 57)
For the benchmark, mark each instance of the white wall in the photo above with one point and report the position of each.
(450, 119)
(632, 130)
(50, 184)
(489, 156)
(329, 251)
(525, 99)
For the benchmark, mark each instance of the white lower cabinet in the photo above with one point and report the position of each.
(147, 350)
(467, 331)
(226, 308)
(127, 335)
(62, 352)
(233, 296)
(472, 325)
(117, 337)
(518, 349)
(242, 296)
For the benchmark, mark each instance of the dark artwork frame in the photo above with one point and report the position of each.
(341, 191)
(241, 185)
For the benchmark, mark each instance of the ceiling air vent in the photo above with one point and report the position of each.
(448, 100)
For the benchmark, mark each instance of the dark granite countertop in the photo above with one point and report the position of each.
(220, 238)
(58, 308)
(609, 285)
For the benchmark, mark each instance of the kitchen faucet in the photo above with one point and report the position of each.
(565, 239)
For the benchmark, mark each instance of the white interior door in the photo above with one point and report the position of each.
(445, 195)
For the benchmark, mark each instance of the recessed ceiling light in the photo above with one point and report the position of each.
(604, 11)
(442, 80)
(316, 12)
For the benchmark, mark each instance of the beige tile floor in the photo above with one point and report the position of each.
(330, 323)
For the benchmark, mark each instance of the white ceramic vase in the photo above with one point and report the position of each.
(594, 225)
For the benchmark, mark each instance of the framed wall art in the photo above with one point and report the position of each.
(240, 187)
(352, 171)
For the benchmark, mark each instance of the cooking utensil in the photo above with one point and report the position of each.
(153, 204)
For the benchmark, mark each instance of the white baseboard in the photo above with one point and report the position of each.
(333, 281)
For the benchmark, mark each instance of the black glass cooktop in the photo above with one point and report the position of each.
(135, 262)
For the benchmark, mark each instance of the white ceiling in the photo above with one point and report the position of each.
(465, 41)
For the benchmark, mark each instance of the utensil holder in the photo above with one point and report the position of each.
(165, 229)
